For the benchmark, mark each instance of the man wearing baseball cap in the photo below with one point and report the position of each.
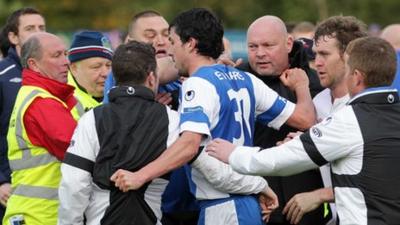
(90, 56)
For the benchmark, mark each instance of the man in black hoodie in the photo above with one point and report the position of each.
(271, 51)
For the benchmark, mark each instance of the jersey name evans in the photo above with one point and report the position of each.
(231, 75)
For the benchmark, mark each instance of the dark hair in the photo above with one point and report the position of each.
(374, 57)
(343, 28)
(13, 20)
(12, 23)
(143, 14)
(204, 27)
(132, 63)
(32, 48)
(4, 42)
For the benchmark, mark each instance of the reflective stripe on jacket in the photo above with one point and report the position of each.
(35, 172)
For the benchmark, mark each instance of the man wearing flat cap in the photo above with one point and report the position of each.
(90, 56)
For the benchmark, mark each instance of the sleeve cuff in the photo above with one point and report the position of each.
(201, 128)
(284, 116)
(3, 179)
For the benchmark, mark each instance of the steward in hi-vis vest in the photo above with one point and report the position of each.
(90, 57)
(41, 127)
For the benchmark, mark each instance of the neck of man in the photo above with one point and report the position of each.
(18, 50)
(198, 62)
(339, 90)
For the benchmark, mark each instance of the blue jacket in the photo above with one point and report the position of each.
(396, 81)
(108, 84)
(10, 82)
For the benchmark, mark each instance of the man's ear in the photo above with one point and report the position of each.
(360, 78)
(192, 44)
(13, 38)
(32, 64)
(289, 43)
(152, 81)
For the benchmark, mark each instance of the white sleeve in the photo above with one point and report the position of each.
(223, 178)
(76, 184)
(198, 106)
(173, 126)
(271, 109)
(323, 143)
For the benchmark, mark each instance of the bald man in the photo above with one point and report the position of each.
(271, 51)
(40, 130)
(391, 34)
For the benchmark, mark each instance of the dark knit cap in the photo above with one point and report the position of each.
(307, 45)
(87, 44)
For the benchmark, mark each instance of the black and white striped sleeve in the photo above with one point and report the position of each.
(76, 182)
(332, 139)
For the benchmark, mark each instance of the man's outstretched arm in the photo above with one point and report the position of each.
(321, 144)
(180, 152)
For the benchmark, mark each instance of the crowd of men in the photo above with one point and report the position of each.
(167, 129)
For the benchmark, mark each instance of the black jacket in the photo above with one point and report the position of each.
(265, 137)
(10, 83)
(132, 130)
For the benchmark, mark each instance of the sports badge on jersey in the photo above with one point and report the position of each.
(317, 132)
(390, 98)
(189, 95)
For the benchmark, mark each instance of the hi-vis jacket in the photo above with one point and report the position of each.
(35, 171)
(85, 101)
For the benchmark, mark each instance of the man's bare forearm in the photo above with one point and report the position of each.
(179, 153)
(325, 194)
(304, 114)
